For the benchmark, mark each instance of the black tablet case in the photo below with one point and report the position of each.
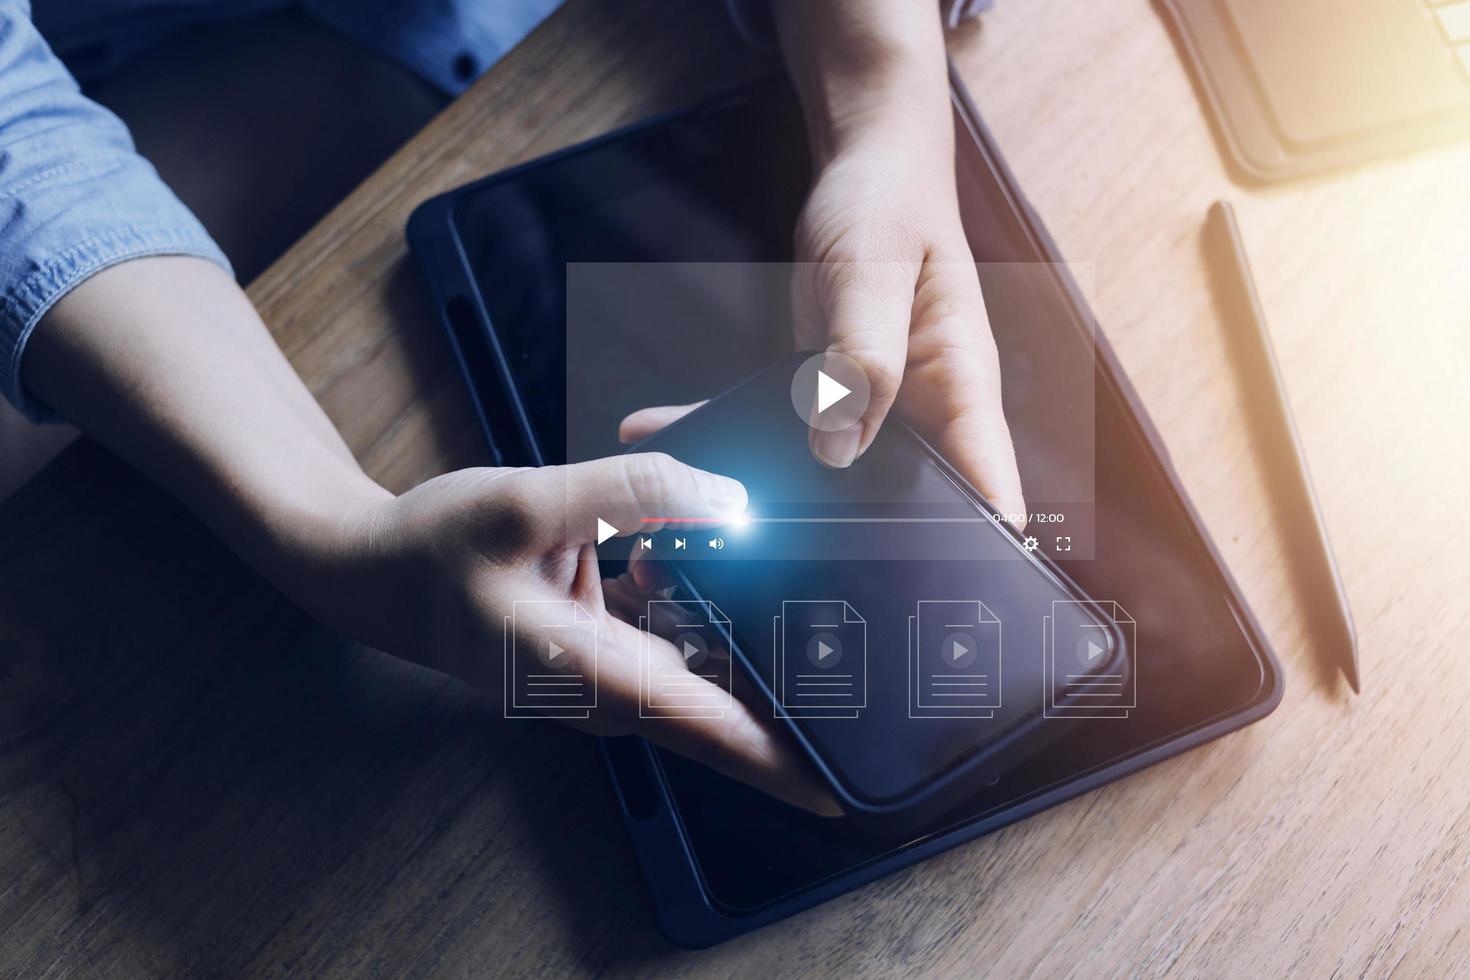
(684, 911)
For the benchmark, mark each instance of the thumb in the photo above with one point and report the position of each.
(863, 309)
(633, 493)
(954, 388)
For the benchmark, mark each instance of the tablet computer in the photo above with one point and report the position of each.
(509, 259)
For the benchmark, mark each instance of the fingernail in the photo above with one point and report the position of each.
(827, 807)
(838, 449)
(722, 494)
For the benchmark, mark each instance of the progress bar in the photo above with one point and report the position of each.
(818, 520)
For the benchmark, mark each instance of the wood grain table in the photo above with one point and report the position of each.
(196, 780)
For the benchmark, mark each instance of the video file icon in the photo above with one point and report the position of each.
(542, 678)
(821, 662)
(698, 683)
(954, 660)
(1085, 674)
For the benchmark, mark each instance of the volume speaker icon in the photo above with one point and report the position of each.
(717, 543)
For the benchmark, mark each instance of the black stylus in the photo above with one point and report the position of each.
(1275, 436)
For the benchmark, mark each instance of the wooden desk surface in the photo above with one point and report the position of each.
(193, 778)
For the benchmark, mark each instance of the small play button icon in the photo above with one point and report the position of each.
(1090, 650)
(958, 651)
(605, 530)
(830, 392)
(551, 653)
(693, 648)
(824, 650)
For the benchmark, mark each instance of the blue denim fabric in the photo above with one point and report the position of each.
(448, 43)
(76, 198)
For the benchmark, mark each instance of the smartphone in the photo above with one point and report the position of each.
(905, 636)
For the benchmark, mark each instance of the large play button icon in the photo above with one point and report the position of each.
(830, 392)
(958, 651)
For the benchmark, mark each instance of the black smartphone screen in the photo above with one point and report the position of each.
(743, 165)
(631, 205)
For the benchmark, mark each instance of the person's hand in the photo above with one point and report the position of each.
(436, 573)
(884, 272)
(164, 360)
(886, 278)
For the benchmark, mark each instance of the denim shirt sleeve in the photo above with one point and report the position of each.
(75, 197)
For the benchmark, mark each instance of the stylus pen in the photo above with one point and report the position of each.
(1275, 436)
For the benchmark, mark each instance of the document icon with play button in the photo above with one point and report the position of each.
(955, 660)
(1089, 664)
(695, 682)
(822, 659)
(544, 676)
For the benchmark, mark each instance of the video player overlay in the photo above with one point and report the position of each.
(949, 646)
(643, 335)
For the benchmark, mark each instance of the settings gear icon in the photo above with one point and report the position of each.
(1031, 543)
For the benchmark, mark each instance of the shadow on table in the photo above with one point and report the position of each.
(196, 779)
